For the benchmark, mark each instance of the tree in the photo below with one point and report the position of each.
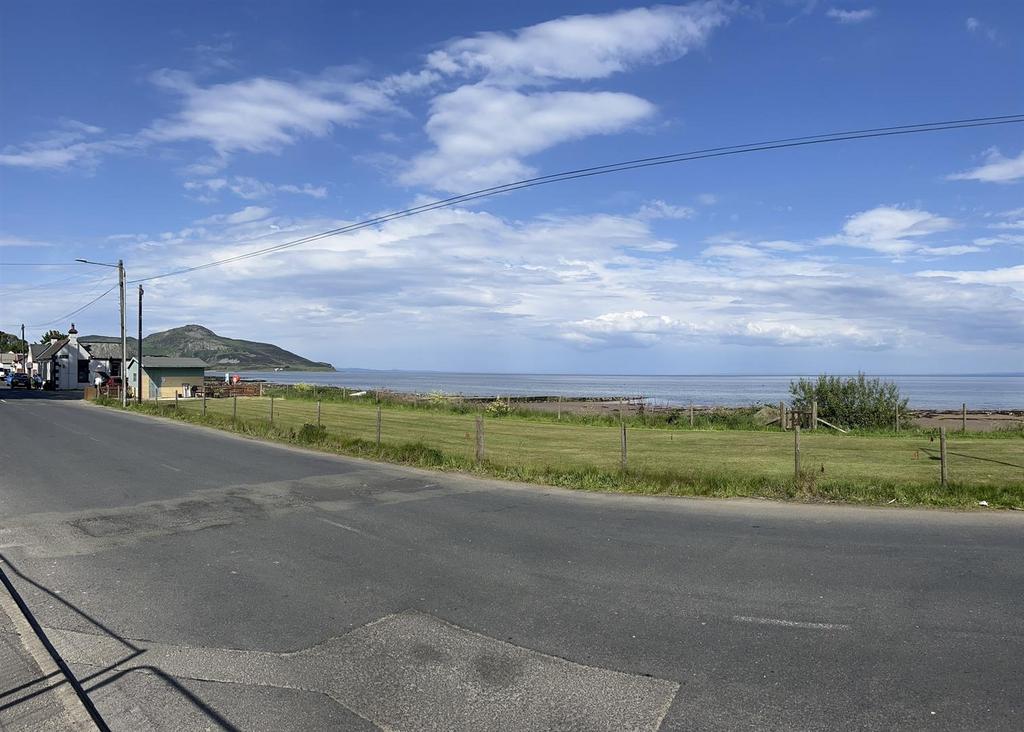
(11, 342)
(51, 334)
(856, 401)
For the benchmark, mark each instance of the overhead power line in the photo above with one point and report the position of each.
(789, 142)
(74, 312)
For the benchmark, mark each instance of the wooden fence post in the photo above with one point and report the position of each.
(234, 408)
(261, 388)
(318, 413)
(796, 451)
(378, 426)
(479, 439)
(943, 467)
(782, 415)
(271, 409)
(896, 419)
(559, 406)
(691, 414)
(814, 414)
(175, 400)
(623, 434)
(963, 417)
(204, 401)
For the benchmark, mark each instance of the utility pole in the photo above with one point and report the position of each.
(124, 336)
(138, 365)
(24, 364)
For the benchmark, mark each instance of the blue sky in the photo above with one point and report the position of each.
(176, 133)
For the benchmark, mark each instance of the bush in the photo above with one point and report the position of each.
(498, 408)
(311, 434)
(856, 402)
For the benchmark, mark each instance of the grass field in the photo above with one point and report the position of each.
(875, 469)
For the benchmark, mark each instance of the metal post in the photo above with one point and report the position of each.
(479, 439)
(234, 408)
(943, 467)
(204, 400)
(271, 409)
(963, 417)
(124, 366)
(796, 451)
(378, 426)
(318, 413)
(622, 432)
(175, 400)
(124, 334)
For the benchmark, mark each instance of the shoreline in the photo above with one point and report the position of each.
(978, 420)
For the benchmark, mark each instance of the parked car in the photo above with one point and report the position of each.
(20, 380)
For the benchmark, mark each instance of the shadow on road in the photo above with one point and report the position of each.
(80, 685)
(10, 394)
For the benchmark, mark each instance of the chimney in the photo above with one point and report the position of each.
(72, 335)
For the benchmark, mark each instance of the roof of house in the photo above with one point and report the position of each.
(49, 350)
(35, 349)
(103, 350)
(170, 362)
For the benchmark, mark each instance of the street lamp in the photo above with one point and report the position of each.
(124, 337)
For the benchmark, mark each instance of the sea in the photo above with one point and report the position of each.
(979, 392)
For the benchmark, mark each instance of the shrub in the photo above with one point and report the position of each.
(498, 408)
(857, 401)
(311, 434)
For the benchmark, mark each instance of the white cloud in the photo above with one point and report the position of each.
(890, 229)
(978, 27)
(579, 281)
(584, 46)
(9, 240)
(850, 16)
(630, 328)
(481, 132)
(250, 188)
(658, 209)
(732, 251)
(259, 114)
(72, 144)
(997, 169)
(1009, 276)
(244, 216)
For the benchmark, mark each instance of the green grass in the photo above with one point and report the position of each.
(863, 468)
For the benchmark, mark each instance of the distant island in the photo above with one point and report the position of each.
(227, 354)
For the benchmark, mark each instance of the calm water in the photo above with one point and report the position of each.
(932, 392)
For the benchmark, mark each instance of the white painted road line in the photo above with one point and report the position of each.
(342, 526)
(170, 467)
(790, 623)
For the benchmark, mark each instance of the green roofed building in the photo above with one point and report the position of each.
(165, 376)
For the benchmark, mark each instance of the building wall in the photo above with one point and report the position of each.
(164, 383)
(168, 382)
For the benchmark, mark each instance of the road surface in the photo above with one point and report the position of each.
(194, 579)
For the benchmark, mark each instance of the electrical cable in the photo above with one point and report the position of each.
(634, 164)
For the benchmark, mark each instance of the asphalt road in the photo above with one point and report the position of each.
(195, 579)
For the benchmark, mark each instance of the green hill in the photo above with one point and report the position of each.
(228, 354)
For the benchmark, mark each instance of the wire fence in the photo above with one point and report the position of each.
(816, 460)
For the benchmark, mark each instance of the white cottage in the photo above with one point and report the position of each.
(64, 361)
